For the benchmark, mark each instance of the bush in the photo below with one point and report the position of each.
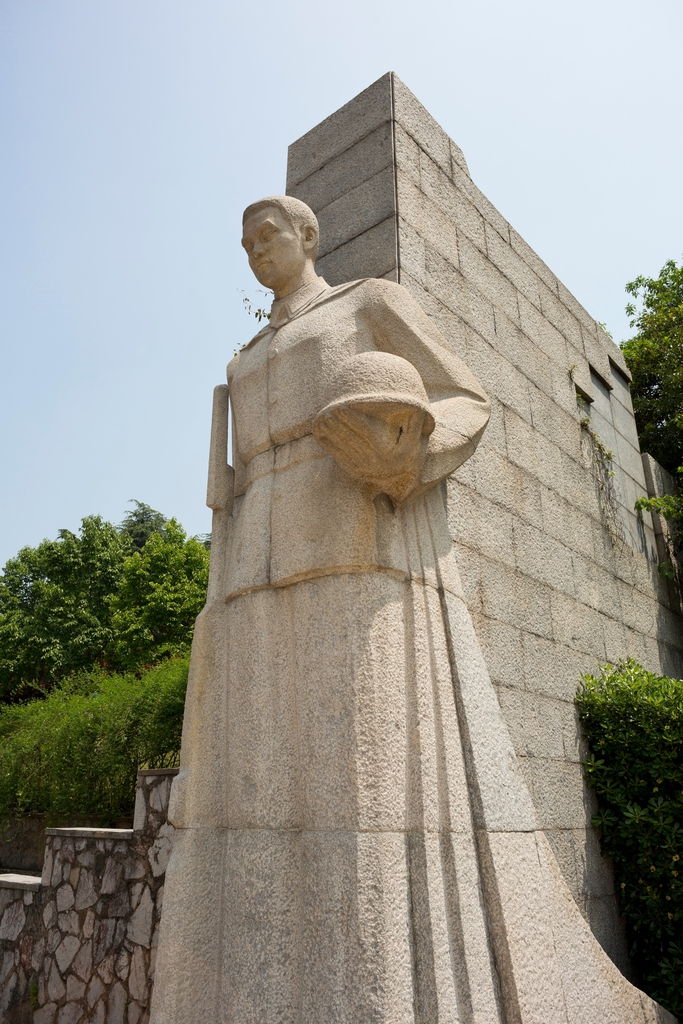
(76, 752)
(633, 720)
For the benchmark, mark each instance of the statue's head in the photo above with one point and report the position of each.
(280, 235)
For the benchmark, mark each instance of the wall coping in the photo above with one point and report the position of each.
(91, 833)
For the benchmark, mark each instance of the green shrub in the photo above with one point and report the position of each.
(633, 720)
(76, 752)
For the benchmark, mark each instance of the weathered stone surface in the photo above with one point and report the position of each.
(137, 981)
(46, 1014)
(140, 925)
(66, 951)
(13, 921)
(82, 964)
(56, 989)
(116, 1004)
(95, 990)
(71, 1013)
(65, 898)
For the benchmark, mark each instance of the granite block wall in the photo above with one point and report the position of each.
(559, 576)
(78, 945)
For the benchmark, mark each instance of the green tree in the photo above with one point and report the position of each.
(655, 359)
(55, 615)
(162, 590)
(140, 523)
(106, 597)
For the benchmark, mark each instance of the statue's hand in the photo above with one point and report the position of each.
(380, 443)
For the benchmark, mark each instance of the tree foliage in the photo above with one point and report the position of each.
(55, 614)
(75, 753)
(117, 598)
(633, 720)
(162, 590)
(655, 359)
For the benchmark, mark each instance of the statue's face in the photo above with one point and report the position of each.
(276, 250)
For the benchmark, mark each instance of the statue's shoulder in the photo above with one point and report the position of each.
(367, 291)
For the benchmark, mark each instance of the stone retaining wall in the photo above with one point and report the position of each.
(78, 945)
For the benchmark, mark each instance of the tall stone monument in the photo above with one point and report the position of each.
(356, 841)
(558, 575)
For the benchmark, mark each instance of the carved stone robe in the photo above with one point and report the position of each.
(355, 842)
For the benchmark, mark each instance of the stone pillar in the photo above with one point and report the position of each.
(555, 582)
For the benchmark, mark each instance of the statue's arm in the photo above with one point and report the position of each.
(458, 402)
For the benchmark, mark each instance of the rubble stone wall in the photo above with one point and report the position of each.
(79, 944)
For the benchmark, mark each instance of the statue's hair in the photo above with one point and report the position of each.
(293, 210)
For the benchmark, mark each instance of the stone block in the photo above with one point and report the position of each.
(602, 913)
(357, 211)
(595, 872)
(407, 154)
(372, 254)
(628, 458)
(340, 131)
(625, 424)
(560, 797)
(560, 317)
(504, 257)
(558, 426)
(539, 329)
(477, 522)
(565, 522)
(470, 576)
(542, 557)
(412, 247)
(575, 308)
(485, 206)
(576, 625)
(597, 356)
(535, 723)
(509, 486)
(498, 376)
(621, 391)
(594, 588)
(515, 599)
(460, 210)
(614, 638)
(460, 295)
(426, 218)
(522, 352)
(530, 450)
(575, 746)
(576, 484)
(616, 356)
(532, 260)
(451, 326)
(347, 171)
(495, 431)
(561, 842)
(486, 277)
(458, 158)
(421, 126)
(502, 648)
(563, 388)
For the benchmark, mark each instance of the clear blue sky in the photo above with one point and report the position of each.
(134, 132)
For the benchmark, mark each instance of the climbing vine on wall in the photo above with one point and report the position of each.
(601, 461)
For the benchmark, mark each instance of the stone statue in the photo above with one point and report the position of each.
(355, 842)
